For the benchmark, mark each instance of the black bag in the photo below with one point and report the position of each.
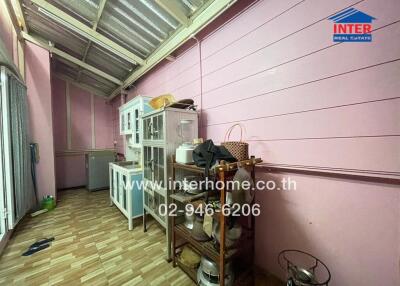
(206, 155)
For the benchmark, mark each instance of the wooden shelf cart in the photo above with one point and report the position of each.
(224, 172)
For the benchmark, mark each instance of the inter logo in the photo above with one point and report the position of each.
(352, 25)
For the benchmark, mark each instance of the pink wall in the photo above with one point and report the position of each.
(103, 123)
(116, 102)
(311, 104)
(70, 166)
(40, 115)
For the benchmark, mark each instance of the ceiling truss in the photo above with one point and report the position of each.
(42, 43)
(94, 27)
(63, 18)
(190, 26)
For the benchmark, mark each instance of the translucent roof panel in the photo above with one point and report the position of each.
(135, 27)
(107, 62)
(83, 10)
(62, 37)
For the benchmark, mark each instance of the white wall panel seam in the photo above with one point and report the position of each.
(92, 112)
(68, 105)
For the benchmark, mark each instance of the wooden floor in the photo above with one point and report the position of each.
(92, 247)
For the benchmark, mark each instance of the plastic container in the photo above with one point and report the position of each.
(48, 203)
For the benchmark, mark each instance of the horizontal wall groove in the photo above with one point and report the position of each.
(278, 40)
(255, 29)
(353, 174)
(165, 68)
(258, 50)
(304, 111)
(262, 48)
(180, 73)
(332, 168)
(323, 138)
(301, 84)
(287, 62)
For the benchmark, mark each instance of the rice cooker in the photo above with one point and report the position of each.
(184, 153)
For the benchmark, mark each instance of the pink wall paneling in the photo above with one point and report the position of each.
(309, 103)
(352, 226)
(71, 170)
(295, 73)
(81, 136)
(103, 124)
(59, 114)
(116, 102)
(380, 81)
(40, 116)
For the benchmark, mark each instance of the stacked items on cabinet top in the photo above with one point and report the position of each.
(164, 130)
(231, 238)
(124, 190)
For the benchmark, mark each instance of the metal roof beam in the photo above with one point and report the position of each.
(70, 22)
(206, 16)
(13, 17)
(43, 44)
(173, 9)
(102, 4)
(16, 4)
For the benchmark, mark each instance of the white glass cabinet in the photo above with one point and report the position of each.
(128, 197)
(161, 137)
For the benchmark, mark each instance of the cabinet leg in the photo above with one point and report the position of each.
(144, 221)
(173, 243)
(168, 231)
(130, 223)
(111, 202)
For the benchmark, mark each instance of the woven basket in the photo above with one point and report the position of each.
(238, 149)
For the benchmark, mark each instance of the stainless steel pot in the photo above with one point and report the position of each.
(208, 273)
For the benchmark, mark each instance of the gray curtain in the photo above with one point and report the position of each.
(24, 196)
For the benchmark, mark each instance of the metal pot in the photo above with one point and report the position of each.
(208, 273)
(231, 234)
(301, 277)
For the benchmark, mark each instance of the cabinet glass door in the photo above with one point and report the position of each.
(136, 126)
(158, 127)
(129, 121)
(147, 162)
(158, 157)
(147, 128)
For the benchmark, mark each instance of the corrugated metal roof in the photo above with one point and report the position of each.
(139, 26)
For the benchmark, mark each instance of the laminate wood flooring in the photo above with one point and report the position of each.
(92, 247)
